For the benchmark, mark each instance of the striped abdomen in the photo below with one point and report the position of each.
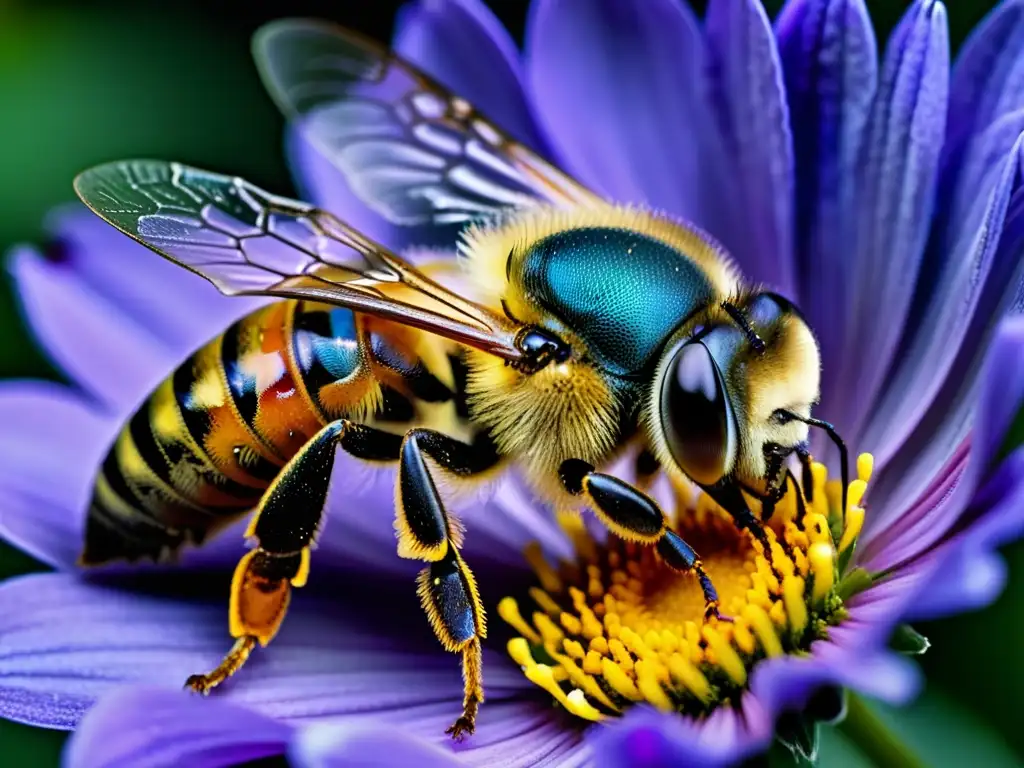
(209, 440)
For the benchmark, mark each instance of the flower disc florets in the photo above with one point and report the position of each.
(617, 626)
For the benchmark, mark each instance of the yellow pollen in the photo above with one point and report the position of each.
(865, 466)
(543, 599)
(822, 560)
(549, 580)
(579, 706)
(508, 609)
(854, 522)
(617, 626)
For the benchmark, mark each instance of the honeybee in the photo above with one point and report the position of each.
(577, 327)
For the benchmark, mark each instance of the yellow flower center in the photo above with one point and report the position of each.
(617, 626)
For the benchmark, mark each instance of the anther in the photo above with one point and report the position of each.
(821, 557)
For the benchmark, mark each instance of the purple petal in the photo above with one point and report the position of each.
(946, 424)
(645, 738)
(615, 86)
(157, 728)
(900, 531)
(899, 165)
(340, 746)
(879, 674)
(464, 46)
(177, 307)
(68, 642)
(76, 326)
(1002, 392)
(752, 119)
(959, 307)
(51, 443)
(987, 83)
(829, 58)
(969, 572)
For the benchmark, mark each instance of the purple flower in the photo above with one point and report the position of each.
(884, 197)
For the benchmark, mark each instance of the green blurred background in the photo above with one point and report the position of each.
(84, 83)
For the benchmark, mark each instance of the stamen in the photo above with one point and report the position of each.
(544, 601)
(545, 573)
(854, 522)
(865, 466)
(579, 706)
(508, 609)
(822, 559)
(618, 626)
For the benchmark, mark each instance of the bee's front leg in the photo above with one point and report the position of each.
(632, 515)
(446, 587)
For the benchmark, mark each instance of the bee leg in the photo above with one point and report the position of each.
(729, 498)
(632, 515)
(447, 588)
(284, 527)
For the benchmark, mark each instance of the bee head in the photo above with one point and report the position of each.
(732, 396)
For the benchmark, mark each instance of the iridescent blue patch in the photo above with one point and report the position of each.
(326, 345)
(620, 290)
(339, 355)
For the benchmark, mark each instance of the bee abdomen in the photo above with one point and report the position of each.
(192, 459)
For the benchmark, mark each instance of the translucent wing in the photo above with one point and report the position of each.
(408, 148)
(248, 242)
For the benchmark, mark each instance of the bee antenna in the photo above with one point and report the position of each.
(844, 457)
(740, 318)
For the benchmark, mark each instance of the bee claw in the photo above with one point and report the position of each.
(461, 728)
(712, 612)
(200, 684)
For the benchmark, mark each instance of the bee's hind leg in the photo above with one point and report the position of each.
(632, 515)
(284, 526)
(446, 587)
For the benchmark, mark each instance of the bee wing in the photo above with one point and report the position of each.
(409, 148)
(249, 242)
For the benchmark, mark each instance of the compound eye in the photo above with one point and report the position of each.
(696, 416)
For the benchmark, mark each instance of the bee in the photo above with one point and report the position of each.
(573, 328)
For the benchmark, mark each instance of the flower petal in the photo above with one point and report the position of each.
(177, 307)
(944, 427)
(787, 683)
(340, 746)
(969, 572)
(829, 58)
(645, 738)
(161, 728)
(68, 642)
(1002, 393)
(76, 326)
(903, 529)
(51, 443)
(957, 308)
(464, 46)
(752, 119)
(615, 86)
(987, 83)
(899, 166)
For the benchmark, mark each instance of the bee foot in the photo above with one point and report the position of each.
(712, 612)
(201, 684)
(461, 728)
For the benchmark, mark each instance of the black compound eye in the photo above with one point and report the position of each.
(696, 416)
